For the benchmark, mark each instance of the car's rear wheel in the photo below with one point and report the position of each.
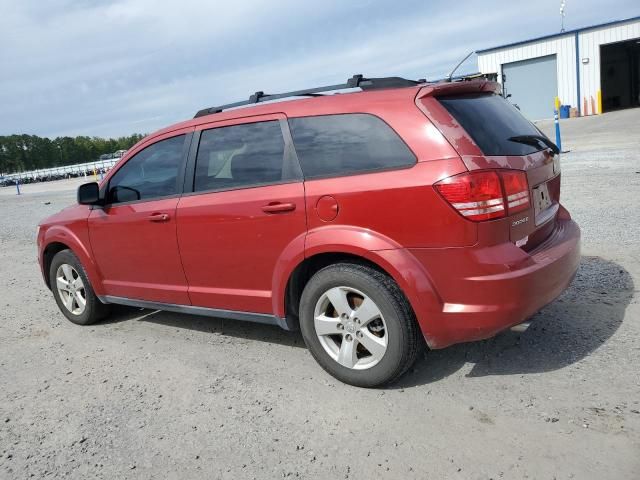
(72, 290)
(358, 325)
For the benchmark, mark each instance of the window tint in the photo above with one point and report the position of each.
(491, 121)
(342, 144)
(241, 156)
(150, 173)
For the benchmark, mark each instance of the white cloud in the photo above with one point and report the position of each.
(109, 68)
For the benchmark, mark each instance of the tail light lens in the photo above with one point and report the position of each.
(486, 195)
(477, 195)
(516, 189)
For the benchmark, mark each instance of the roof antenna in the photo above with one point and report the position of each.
(450, 76)
(562, 5)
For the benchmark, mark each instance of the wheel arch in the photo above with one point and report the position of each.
(308, 267)
(398, 264)
(59, 238)
(48, 253)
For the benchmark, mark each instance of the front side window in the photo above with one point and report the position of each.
(150, 173)
(242, 156)
(345, 144)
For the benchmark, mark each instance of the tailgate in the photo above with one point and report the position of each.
(490, 133)
(530, 227)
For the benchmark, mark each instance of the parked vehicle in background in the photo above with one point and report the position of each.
(98, 167)
(373, 221)
(119, 153)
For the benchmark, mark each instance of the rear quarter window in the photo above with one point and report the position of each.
(333, 145)
(491, 120)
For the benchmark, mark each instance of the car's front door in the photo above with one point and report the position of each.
(247, 205)
(133, 237)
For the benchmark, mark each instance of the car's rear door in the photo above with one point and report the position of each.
(133, 237)
(246, 206)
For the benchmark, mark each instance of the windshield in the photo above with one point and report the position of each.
(491, 121)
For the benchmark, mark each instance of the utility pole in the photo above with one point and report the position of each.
(562, 6)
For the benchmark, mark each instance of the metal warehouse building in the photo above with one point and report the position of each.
(594, 69)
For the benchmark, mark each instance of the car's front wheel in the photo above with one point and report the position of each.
(358, 325)
(73, 292)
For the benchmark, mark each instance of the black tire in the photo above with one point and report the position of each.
(404, 336)
(94, 310)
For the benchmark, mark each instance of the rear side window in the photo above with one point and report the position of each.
(150, 173)
(491, 120)
(332, 145)
(241, 156)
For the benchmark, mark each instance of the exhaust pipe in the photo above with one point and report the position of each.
(521, 327)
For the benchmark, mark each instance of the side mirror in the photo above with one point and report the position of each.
(89, 194)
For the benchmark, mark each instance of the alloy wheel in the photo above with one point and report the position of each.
(350, 328)
(71, 289)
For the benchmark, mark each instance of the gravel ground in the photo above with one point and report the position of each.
(161, 395)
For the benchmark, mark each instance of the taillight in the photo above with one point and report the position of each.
(481, 195)
(476, 195)
(516, 190)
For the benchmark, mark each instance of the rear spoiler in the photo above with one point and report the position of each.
(454, 88)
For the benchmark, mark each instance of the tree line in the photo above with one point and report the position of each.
(19, 153)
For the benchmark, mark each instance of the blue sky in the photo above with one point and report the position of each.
(109, 68)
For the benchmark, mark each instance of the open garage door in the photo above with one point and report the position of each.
(533, 85)
(620, 75)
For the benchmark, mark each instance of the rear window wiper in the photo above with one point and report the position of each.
(535, 140)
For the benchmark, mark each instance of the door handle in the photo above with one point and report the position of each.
(159, 217)
(277, 207)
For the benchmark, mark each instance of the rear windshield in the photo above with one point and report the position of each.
(491, 121)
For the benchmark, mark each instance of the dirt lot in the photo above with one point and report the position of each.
(151, 394)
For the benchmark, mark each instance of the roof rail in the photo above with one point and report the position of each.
(357, 81)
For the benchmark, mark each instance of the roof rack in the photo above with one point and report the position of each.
(357, 81)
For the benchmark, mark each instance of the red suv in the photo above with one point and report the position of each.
(369, 219)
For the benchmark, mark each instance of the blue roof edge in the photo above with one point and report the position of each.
(559, 34)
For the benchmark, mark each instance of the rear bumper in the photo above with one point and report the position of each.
(486, 290)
